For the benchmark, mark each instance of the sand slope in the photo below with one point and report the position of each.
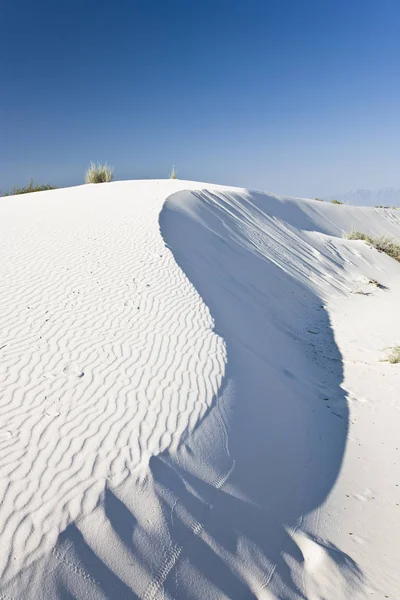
(192, 399)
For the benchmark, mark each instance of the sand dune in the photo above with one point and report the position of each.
(192, 399)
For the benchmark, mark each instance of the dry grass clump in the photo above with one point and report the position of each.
(388, 246)
(336, 202)
(376, 283)
(31, 187)
(173, 174)
(394, 356)
(98, 173)
(357, 235)
(382, 244)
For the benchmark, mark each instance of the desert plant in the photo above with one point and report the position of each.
(31, 187)
(376, 283)
(387, 246)
(173, 174)
(319, 199)
(98, 173)
(336, 202)
(382, 244)
(357, 235)
(394, 356)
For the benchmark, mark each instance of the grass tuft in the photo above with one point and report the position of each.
(357, 235)
(382, 244)
(376, 283)
(393, 207)
(31, 187)
(394, 356)
(336, 202)
(173, 174)
(98, 173)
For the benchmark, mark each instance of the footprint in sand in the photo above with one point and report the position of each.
(72, 370)
(365, 496)
(357, 539)
(52, 412)
(359, 399)
(5, 434)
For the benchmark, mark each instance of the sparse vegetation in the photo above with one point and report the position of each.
(336, 202)
(382, 244)
(376, 283)
(173, 174)
(394, 356)
(357, 235)
(98, 173)
(319, 199)
(387, 246)
(31, 187)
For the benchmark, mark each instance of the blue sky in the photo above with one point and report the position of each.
(296, 97)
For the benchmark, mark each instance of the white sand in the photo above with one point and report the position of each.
(193, 403)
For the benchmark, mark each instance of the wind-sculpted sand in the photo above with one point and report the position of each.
(190, 381)
(108, 356)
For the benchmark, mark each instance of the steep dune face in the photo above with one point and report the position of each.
(179, 403)
(283, 449)
(271, 271)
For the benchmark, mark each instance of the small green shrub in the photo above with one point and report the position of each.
(336, 202)
(173, 174)
(31, 187)
(98, 173)
(382, 244)
(394, 356)
(319, 199)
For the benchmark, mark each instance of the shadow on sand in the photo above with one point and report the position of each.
(280, 421)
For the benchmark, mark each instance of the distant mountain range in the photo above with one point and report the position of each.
(358, 196)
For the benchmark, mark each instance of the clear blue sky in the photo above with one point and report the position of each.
(296, 97)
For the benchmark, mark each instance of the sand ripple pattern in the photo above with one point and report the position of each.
(107, 354)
